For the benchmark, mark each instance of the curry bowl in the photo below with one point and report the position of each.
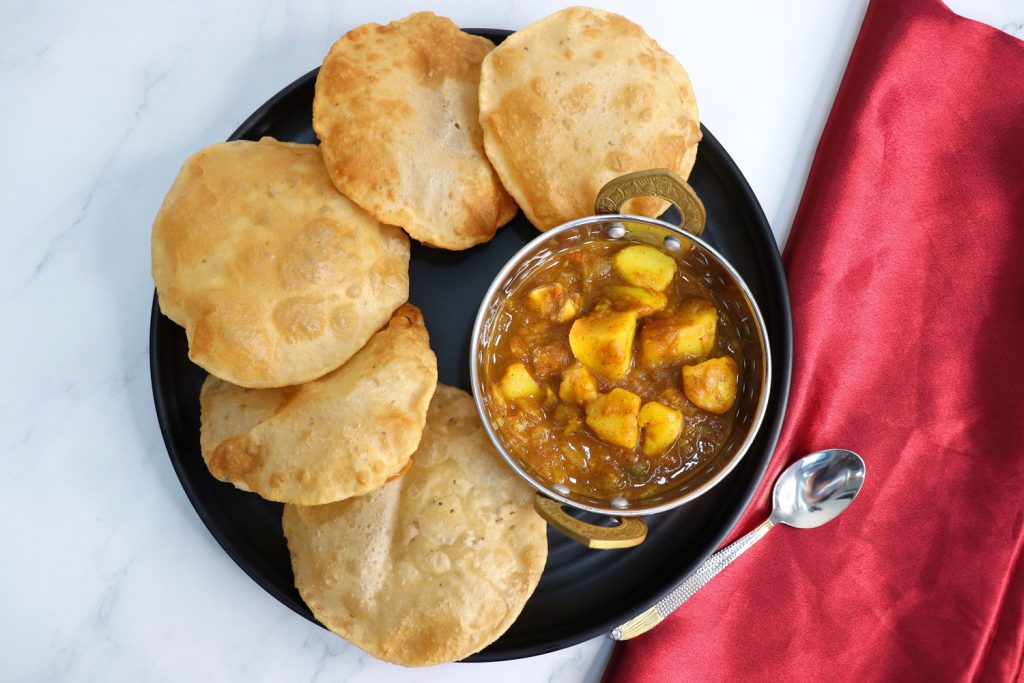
(738, 315)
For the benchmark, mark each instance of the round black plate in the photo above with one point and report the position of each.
(582, 593)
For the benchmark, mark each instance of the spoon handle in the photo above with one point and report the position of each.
(704, 572)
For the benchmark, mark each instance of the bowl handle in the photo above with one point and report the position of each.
(631, 531)
(654, 182)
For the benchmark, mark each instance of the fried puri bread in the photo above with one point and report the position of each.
(577, 99)
(398, 121)
(276, 278)
(341, 435)
(435, 565)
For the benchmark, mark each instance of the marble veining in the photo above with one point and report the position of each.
(106, 573)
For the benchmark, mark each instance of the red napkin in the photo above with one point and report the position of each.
(906, 271)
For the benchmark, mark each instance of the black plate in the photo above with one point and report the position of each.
(583, 592)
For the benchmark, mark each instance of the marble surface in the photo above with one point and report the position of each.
(106, 572)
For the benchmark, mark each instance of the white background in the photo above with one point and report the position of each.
(106, 572)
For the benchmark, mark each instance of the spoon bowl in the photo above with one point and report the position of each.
(816, 488)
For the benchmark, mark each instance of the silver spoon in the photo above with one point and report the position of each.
(811, 492)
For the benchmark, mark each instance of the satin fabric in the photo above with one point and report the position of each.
(906, 272)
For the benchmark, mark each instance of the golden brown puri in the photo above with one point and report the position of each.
(435, 565)
(577, 99)
(341, 435)
(396, 113)
(276, 278)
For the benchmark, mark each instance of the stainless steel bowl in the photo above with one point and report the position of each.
(733, 296)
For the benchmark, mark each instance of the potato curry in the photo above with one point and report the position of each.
(611, 370)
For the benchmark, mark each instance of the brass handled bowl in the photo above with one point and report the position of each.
(626, 529)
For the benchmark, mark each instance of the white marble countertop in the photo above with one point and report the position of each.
(106, 571)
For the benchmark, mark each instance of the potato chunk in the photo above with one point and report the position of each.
(547, 299)
(662, 426)
(554, 302)
(578, 385)
(711, 385)
(612, 416)
(568, 418)
(645, 266)
(517, 382)
(567, 312)
(638, 299)
(550, 399)
(689, 333)
(604, 342)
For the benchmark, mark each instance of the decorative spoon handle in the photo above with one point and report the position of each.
(644, 622)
